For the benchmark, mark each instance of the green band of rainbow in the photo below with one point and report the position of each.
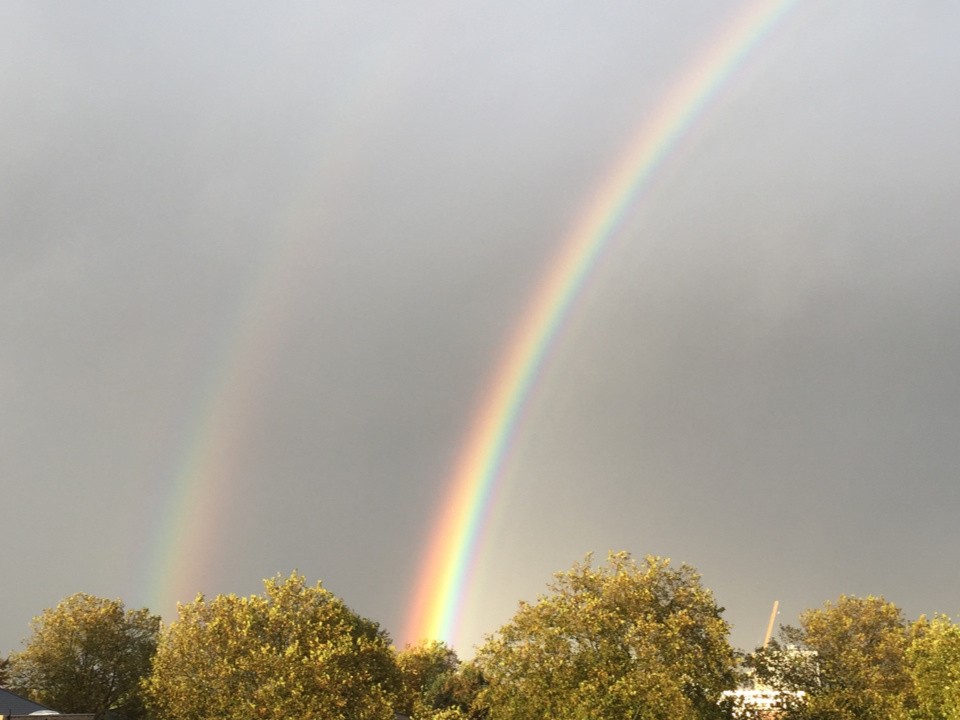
(190, 521)
(455, 541)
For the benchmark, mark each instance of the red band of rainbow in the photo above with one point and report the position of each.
(455, 541)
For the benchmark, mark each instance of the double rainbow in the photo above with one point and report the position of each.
(191, 514)
(455, 542)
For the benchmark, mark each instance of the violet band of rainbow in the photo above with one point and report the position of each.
(456, 540)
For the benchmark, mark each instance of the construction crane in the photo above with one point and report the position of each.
(773, 619)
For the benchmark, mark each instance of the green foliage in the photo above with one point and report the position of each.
(934, 661)
(788, 672)
(295, 652)
(424, 669)
(785, 668)
(461, 691)
(87, 655)
(627, 640)
(859, 671)
(436, 685)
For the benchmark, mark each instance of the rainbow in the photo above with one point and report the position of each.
(456, 538)
(192, 514)
(189, 519)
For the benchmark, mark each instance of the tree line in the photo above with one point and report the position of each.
(626, 639)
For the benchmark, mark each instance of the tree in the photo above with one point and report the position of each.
(784, 667)
(436, 685)
(626, 640)
(424, 669)
(87, 655)
(859, 667)
(461, 690)
(934, 662)
(791, 672)
(296, 651)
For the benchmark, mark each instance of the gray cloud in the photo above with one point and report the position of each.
(343, 212)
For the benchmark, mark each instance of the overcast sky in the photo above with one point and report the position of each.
(303, 233)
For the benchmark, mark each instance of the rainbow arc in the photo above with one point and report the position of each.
(456, 539)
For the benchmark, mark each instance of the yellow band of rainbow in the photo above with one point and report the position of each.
(454, 544)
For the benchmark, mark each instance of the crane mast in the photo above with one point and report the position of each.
(773, 619)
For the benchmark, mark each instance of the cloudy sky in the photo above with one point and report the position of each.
(259, 264)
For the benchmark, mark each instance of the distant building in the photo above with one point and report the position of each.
(760, 701)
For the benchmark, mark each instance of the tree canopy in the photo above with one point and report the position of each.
(933, 659)
(849, 658)
(295, 651)
(86, 655)
(627, 640)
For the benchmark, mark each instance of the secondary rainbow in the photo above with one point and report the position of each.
(189, 522)
(457, 536)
